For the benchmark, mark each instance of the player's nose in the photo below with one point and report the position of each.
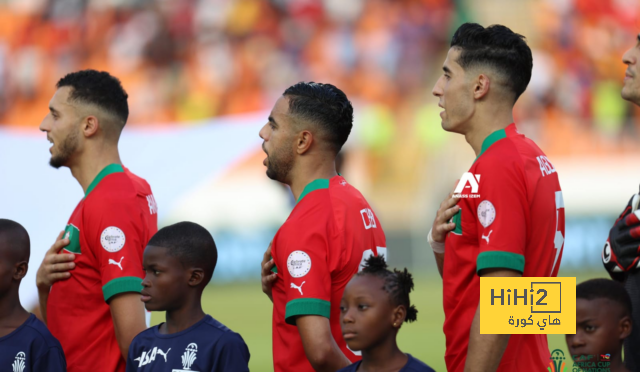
(437, 89)
(146, 282)
(262, 132)
(577, 341)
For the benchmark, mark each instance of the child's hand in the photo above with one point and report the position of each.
(55, 266)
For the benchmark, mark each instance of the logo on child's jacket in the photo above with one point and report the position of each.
(148, 357)
(188, 358)
(19, 364)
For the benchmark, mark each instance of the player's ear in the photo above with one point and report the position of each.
(304, 142)
(481, 86)
(90, 126)
(196, 276)
(20, 270)
(398, 316)
(625, 327)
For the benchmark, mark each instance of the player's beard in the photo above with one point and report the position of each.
(65, 150)
(279, 164)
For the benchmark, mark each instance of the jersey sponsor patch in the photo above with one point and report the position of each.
(486, 213)
(112, 239)
(299, 264)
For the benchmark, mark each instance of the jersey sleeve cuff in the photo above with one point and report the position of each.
(121, 285)
(500, 260)
(306, 306)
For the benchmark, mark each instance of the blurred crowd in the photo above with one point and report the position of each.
(182, 61)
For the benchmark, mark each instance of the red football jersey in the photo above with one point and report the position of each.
(329, 233)
(108, 232)
(512, 216)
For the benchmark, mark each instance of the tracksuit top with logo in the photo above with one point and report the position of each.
(108, 232)
(31, 348)
(207, 346)
(329, 233)
(512, 216)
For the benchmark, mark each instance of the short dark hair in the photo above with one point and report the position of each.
(191, 244)
(17, 237)
(324, 105)
(498, 47)
(604, 288)
(98, 88)
(397, 283)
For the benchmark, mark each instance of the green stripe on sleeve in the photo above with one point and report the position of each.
(121, 285)
(500, 260)
(306, 306)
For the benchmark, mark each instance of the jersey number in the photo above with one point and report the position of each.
(558, 241)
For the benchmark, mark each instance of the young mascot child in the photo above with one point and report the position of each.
(179, 261)
(603, 321)
(26, 344)
(374, 305)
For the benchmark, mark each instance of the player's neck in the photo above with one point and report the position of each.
(12, 314)
(180, 319)
(304, 174)
(91, 163)
(484, 126)
(383, 357)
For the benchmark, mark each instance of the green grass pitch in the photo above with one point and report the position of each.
(246, 310)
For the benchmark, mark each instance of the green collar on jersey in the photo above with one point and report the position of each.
(490, 140)
(111, 168)
(314, 185)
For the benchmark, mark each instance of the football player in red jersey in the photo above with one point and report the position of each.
(621, 253)
(507, 215)
(329, 233)
(89, 294)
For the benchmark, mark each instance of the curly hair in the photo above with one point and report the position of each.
(397, 283)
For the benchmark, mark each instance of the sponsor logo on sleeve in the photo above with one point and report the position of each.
(299, 288)
(112, 239)
(486, 213)
(299, 264)
(368, 218)
(117, 263)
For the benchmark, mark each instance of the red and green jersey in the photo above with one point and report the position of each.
(108, 232)
(329, 233)
(512, 216)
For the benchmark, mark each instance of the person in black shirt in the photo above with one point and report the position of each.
(26, 344)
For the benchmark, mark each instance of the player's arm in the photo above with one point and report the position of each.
(127, 312)
(319, 346)
(485, 351)
(441, 227)
(118, 239)
(54, 267)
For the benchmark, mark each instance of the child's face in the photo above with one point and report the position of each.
(164, 281)
(366, 312)
(600, 328)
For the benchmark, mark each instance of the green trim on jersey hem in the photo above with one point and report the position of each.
(490, 140)
(314, 185)
(121, 285)
(111, 168)
(500, 260)
(306, 306)
(274, 269)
